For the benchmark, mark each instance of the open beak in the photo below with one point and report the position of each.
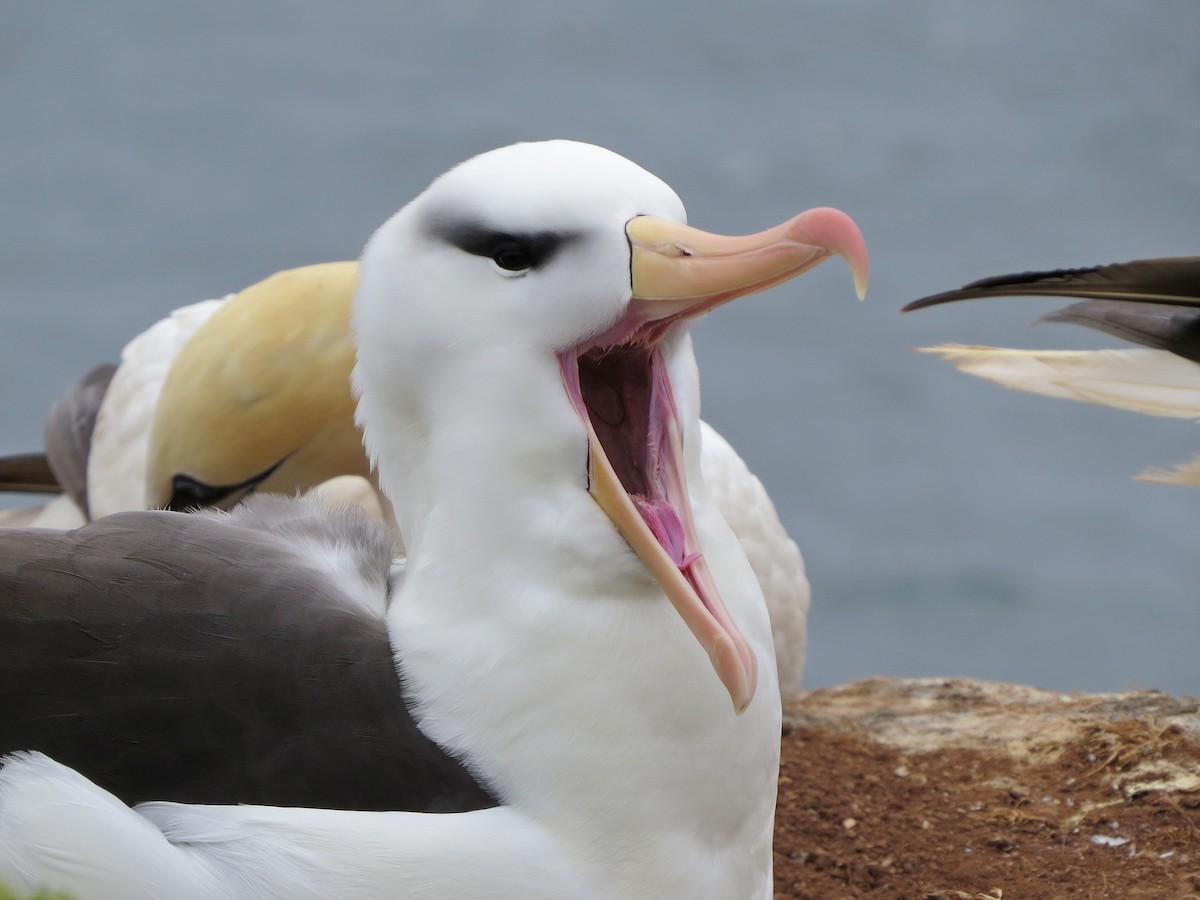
(637, 471)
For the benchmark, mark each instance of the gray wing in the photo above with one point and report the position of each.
(179, 657)
(69, 428)
(68, 441)
(1173, 328)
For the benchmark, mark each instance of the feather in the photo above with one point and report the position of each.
(28, 473)
(1162, 326)
(1171, 280)
(1180, 473)
(69, 429)
(1152, 302)
(1141, 380)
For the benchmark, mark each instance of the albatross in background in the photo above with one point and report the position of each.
(251, 394)
(577, 628)
(1152, 302)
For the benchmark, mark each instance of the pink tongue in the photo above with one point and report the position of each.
(665, 525)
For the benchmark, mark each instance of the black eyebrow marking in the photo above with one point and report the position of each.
(479, 239)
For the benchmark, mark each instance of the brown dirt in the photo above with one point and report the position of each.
(962, 790)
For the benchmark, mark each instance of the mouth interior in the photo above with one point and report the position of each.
(627, 396)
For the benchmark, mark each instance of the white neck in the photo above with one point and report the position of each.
(590, 706)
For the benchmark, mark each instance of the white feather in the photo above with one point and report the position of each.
(61, 513)
(117, 465)
(772, 553)
(52, 818)
(1142, 380)
(1187, 473)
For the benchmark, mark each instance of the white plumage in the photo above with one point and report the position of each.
(772, 554)
(121, 441)
(532, 641)
(1141, 380)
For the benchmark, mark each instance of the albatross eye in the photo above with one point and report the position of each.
(513, 256)
(514, 253)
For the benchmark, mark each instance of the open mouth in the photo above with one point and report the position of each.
(628, 399)
(620, 388)
(636, 474)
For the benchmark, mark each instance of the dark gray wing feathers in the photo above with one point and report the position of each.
(176, 657)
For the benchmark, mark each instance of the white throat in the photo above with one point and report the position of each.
(587, 703)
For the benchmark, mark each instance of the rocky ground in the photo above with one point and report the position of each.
(952, 789)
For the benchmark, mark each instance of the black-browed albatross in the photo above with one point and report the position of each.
(1152, 302)
(530, 398)
(251, 394)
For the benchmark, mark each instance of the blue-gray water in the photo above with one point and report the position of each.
(156, 154)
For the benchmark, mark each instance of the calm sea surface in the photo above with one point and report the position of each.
(152, 155)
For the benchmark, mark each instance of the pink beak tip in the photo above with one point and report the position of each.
(836, 232)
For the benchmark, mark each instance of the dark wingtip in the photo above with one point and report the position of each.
(1162, 326)
(963, 293)
(1017, 279)
(28, 473)
(1171, 280)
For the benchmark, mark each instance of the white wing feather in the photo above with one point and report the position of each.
(1180, 473)
(1142, 380)
(61, 512)
(121, 441)
(772, 554)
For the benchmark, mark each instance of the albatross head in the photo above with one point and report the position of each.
(578, 257)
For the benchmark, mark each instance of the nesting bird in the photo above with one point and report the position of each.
(583, 660)
(250, 394)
